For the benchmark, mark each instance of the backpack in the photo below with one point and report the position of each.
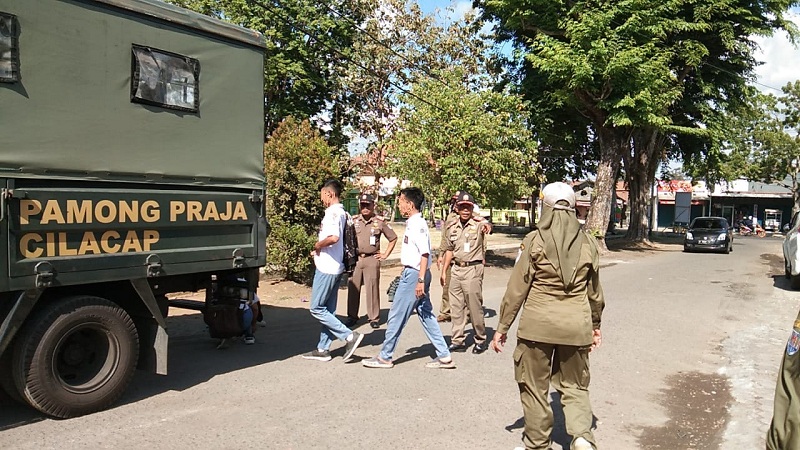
(350, 247)
(224, 309)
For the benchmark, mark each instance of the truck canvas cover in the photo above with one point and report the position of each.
(80, 108)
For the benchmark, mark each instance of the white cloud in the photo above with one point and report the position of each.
(781, 60)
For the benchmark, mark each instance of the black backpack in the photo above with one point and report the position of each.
(350, 247)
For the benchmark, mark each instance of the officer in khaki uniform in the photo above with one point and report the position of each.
(466, 248)
(784, 431)
(452, 217)
(369, 229)
(556, 284)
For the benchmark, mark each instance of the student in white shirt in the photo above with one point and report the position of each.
(328, 256)
(413, 292)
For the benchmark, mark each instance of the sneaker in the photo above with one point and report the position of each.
(351, 346)
(377, 363)
(582, 444)
(249, 340)
(439, 364)
(318, 355)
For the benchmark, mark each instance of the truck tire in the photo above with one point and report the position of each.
(75, 356)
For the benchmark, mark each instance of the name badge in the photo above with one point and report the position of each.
(466, 246)
(372, 240)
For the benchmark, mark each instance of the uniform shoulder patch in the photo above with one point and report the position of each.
(794, 343)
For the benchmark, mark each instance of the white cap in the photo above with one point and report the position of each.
(554, 192)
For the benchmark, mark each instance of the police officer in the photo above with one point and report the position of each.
(466, 248)
(452, 217)
(784, 431)
(369, 229)
(556, 284)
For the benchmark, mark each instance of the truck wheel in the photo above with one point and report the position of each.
(76, 356)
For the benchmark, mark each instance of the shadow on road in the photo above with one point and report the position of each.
(195, 359)
(559, 433)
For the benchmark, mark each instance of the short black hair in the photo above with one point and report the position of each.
(414, 195)
(334, 185)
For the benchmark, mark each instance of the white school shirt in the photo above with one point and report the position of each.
(329, 260)
(416, 242)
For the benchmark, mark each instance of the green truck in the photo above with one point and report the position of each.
(131, 167)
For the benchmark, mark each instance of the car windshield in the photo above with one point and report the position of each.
(709, 223)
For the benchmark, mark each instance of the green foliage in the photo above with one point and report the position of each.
(297, 160)
(766, 144)
(307, 47)
(288, 250)
(460, 139)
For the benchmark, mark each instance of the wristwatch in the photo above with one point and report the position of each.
(420, 280)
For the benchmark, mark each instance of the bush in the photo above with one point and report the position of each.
(297, 160)
(288, 250)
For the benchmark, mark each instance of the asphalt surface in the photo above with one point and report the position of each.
(692, 344)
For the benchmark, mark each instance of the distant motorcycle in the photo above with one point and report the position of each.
(744, 230)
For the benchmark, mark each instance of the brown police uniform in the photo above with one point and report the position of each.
(784, 431)
(467, 242)
(444, 309)
(558, 324)
(368, 267)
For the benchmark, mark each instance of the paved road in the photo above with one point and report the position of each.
(692, 346)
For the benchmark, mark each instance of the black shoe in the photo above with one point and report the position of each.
(480, 348)
(374, 325)
(350, 322)
(457, 348)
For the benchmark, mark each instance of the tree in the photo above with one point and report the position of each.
(297, 161)
(307, 50)
(642, 72)
(772, 154)
(399, 47)
(450, 137)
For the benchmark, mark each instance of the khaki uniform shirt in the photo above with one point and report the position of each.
(466, 241)
(368, 233)
(549, 313)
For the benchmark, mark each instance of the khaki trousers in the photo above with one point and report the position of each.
(368, 274)
(569, 374)
(445, 308)
(466, 300)
(784, 431)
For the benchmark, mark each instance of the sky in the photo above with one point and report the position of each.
(781, 59)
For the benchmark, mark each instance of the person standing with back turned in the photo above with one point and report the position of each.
(413, 292)
(784, 431)
(328, 255)
(556, 284)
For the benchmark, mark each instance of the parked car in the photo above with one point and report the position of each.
(708, 233)
(791, 257)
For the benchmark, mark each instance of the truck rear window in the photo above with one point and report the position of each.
(165, 79)
(9, 48)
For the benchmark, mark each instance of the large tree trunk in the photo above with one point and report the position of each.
(640, 169)
(613, 142)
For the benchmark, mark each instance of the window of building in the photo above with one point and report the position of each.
(9, 48)
(165, 79)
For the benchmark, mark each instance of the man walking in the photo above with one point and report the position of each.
(414, 288)
(328, 254)
(466, 248)
(369, 229)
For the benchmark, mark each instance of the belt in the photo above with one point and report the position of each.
(468, 263)
(362, 255)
